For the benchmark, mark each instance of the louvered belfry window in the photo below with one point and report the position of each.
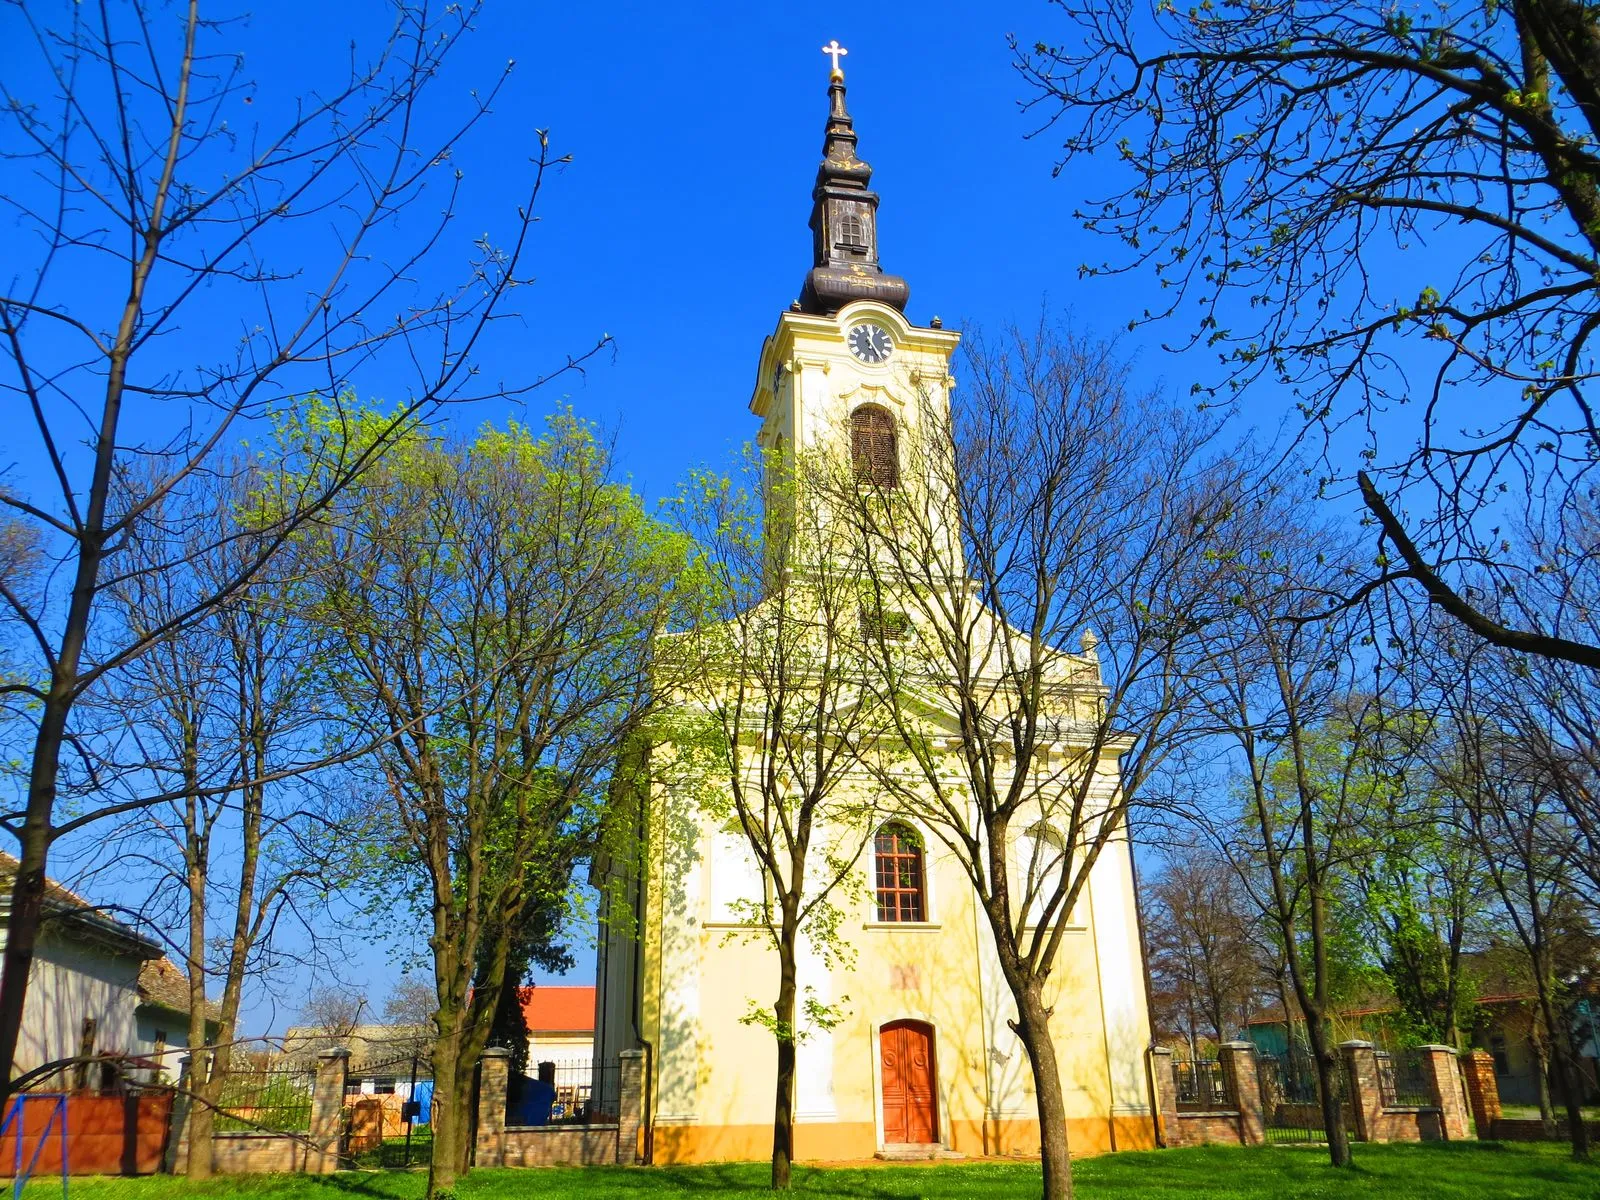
(873, 447)
(898, 862)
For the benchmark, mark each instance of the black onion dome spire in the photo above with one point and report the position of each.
(844, 222)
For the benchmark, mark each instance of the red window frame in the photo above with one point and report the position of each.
(900, 875)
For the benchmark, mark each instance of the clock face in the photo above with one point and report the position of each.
(868, 342)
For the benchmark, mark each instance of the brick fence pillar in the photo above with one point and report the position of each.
(1483, 1090)
(1360, 1062)
(1166, 1094)
(630, 1109)
(1239, 1074)
(1444, 1078)
(494, 1076)
(327, 1112)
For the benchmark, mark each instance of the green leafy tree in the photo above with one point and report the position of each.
(494, 602)
(184, 262)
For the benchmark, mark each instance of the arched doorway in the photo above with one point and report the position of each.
(910, 1084)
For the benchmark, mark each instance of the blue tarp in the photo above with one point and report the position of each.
(532, 1106)
(424, 1098)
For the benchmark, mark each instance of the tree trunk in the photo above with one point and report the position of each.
(1572, 1089)
(1033, 1028)
(449, 1138)
(783, 1102)
(1326, 1057)
(1566, 1073)
(1547, 1110)
(201, 1063)
(27, 890)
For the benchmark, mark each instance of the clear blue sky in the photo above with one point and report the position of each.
(680, 225)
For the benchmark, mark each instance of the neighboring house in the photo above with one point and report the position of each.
(560, 1023)
(161, 1020)
(389, 1066)
(922, 1054)
(383, 1058)
(97, 987)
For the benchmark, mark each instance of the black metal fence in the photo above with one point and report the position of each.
(1202, 1087)
(1291, 1100)
(586, 1092)
(1402, 1080)
(263, 1094)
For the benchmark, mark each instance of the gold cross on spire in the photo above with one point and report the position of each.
(835, 51)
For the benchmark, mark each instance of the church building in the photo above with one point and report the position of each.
(922, 1058)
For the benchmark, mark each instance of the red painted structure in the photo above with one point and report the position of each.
(106, 1135)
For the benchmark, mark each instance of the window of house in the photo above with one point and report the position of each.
(1502, 1061)
(383, 1085)
(86, 1036)
(874, 451)
(897, 854)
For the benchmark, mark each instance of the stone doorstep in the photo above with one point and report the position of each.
(917, 1152)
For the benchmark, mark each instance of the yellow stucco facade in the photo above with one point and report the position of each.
(684, 986)
(679, 972)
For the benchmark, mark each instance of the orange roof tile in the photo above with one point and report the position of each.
(555, 1009)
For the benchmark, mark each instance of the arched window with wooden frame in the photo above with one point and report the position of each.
(901, 879)
(852, 233)
(874, 447)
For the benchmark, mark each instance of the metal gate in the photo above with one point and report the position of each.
(1291, 1108)
(387, 1103)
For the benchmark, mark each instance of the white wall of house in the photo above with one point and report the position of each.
(73, 981)
(163, 1037)
(559, 1047)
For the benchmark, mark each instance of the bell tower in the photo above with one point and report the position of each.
(846, 378)
(844, 218)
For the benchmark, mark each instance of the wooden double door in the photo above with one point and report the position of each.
(910, 1112)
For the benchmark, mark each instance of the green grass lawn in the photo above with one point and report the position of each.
(1530, 1112)
(1437, 1172)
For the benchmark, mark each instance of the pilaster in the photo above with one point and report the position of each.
(1239, 1073)
(630, 1115)
(1166, 1095)
(1445, 1079)
(327, 1111)
(1483, 1090)
(1360, 1061)
(494, 1076)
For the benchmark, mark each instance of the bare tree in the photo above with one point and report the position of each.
(770, 711)
(494, 603)
(224, 719)
(1515, 790)
(180, 274)
(1049, 509)
(410, 1002)
(1279, 167)
(334, 1012)
(1280, 694)
(1204, 955)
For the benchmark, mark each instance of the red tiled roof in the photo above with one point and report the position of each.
(558, 1009)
